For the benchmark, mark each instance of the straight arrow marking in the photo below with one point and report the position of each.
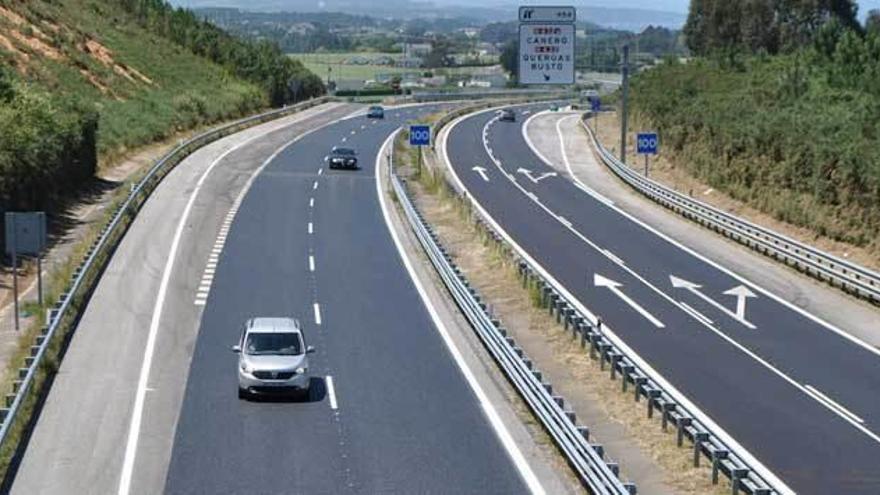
(680, 283)
(614, 287)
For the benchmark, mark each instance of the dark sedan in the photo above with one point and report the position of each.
(342, 158)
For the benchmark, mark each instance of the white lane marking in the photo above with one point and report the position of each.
(498, 425)
(311, 202)
(138, 410)
(614, 287)
(317, 308)
(331, 392)
(320, 170)
(609, 333)
(834, 405)
(577, 182)
(745, 350)
(564, 221)
(696, 314)
(353, 132)
(315, 185)
(613, 257)
(311, 228)
(344, 139)
(482, 172)
(311, 263)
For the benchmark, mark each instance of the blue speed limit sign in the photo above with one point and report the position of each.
(647, 143)
(419, 135)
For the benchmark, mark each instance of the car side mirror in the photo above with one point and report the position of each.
(236, 348)
(310, 349)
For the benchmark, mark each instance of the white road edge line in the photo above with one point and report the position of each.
(331, 392)
(140, 395)
(311, 228)
(491, 414)
(317, 314)
(311, 263)
(311, 202)
(609, 333)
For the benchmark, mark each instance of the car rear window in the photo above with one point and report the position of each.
(280, 344)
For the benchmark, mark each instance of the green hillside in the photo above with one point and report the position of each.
(786, 121)
(83, 81)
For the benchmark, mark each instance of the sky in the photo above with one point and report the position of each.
(667, 5)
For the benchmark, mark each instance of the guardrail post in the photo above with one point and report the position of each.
(631, 488)
(682, 424)
(615, 358)
(603, 353)
(699, 438)
(638, 382)
(652, 397)
(668, 407)
(594, 345)
(717, 457)
(736, 475)
(584, 431)
(625, 372)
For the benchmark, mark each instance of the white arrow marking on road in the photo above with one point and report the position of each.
(528, 173)
(600, 281)
(482, 172)
(741, 292)
(680, 283)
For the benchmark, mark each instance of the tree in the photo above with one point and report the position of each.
(441, 53)
(872, 22)
(762, 25)
(510, 58)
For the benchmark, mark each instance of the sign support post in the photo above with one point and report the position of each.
(647, 144)
(14, 274)
(25, 235)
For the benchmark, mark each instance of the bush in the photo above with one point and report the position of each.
(794, 135)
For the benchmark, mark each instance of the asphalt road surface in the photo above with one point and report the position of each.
(389, 411)
(798, 394)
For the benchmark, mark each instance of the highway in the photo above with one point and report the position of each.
(800, 395)
(399, 417)
(255, 224)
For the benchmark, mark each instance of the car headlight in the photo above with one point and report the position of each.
(301, 370)
(245, 367)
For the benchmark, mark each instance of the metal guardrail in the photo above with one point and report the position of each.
(846, 275)
(598, 475)
(72, 302)
(689, 424)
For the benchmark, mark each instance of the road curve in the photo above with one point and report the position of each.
(390, 412)
(798, 394)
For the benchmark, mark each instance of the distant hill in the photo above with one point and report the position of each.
(628, 19)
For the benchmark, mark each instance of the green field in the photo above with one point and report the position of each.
(340, 70)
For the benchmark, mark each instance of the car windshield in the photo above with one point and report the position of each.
(375, 109)
(343, 151)
(279, 344)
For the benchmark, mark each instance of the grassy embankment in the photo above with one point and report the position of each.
(794, 136)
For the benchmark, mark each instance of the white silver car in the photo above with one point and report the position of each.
(272, 358)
